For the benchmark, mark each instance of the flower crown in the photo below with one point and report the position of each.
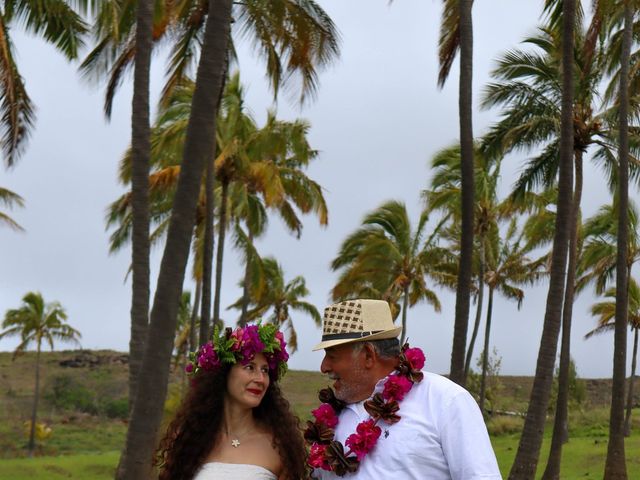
(242, 344)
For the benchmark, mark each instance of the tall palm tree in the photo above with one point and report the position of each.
(444, 196)
(296, 38)
(616, 464)
(456, 32)
(283, 297)
(58, 24)
(526, 461)
(140, 151)
(37, 322)
(254, 162)
(199, 143)
(387, 258)
(605, 313)
(508, 268)
(10, 199)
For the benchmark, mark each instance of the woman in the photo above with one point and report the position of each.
(234, 423)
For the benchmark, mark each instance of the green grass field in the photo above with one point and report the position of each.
(583, 458)
(86, 439)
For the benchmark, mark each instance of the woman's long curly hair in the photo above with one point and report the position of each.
(198, 423)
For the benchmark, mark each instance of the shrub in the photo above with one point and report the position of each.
(118, 408)
(504, 425)
(67, 394)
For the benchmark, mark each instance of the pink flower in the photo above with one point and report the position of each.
(208, 358)
(325, 415)
(317, 457)
(365, 438)
(189, 367)
(283, 355)
(415, 357)
(396, 387)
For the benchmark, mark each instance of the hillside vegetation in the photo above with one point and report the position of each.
(84, 404)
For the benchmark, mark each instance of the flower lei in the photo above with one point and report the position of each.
(327, 453)
(241, 344)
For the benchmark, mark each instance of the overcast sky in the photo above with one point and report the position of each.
(377, 122)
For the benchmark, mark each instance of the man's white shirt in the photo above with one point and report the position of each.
(441, 436)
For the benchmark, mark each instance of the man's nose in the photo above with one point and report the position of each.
(324, 366)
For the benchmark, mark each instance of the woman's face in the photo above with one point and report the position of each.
(247, 384)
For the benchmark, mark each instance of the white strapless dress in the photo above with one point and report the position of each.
(233, 471)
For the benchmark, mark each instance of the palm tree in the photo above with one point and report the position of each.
(9, 200)
(508, 267)
(140, 151)
(281, 296)
(605, 313)
(456, 32)
(616, 465)
(386, 258)
(199, 143)
(37, 322)
(253, 162)
(296, 38)
(526, 461)
(57, 24)
(444, 196)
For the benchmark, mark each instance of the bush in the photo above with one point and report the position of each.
(118, 408)
(504, 425)
(67, 394)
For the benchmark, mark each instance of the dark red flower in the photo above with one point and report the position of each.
(396, 387)
(318, 457)
(365, 438)
(415, 357)
(325, 415)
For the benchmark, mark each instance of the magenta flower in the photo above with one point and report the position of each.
(396, 387)
(282, 355)
(365, 438)
(415, 357)
(208, 358)
(318, 458)
(189, 367)
(325, 415)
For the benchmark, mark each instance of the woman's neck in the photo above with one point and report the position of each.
(237, 419)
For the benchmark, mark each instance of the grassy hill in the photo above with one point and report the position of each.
(84, 401)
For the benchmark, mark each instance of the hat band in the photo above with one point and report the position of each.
(343, 336)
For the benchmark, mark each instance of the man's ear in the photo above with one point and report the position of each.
(370, 355)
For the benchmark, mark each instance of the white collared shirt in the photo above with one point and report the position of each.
(441, 436)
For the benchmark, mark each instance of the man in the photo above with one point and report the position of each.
(440, 434)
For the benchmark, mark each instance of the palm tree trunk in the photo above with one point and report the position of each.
(526, 460)
(140, 152)
(207, 254)
(560, 428)
(634, 358)
(485, 353)
(616, 465)
(476, 325)
(222, 229)
(245, 286)
(146, 415)
(193, 335)
(405, 306)
(467, 186)
(34, 411)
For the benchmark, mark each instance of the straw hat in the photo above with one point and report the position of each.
(359, 320)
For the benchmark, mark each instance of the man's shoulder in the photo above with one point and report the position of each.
(439, 385)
